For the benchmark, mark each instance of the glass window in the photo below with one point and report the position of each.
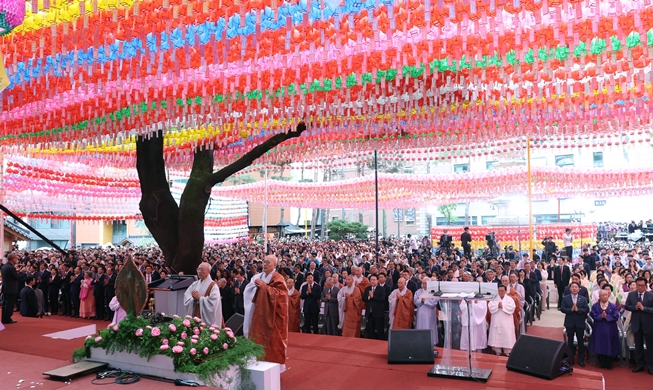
(489, 165)
(461, 168)
(598, 159)
(410, 223)
(398, 215)
(566, 160)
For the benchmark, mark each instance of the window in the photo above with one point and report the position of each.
(410, 223)
(334, 218)
(490, 165)
(598, 159)
(398, 215)
(460, 221)
(410, 215)
(461, 168)
(566, 160)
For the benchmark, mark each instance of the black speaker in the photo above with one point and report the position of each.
(540, 357)
(235, 323)
(410, 346)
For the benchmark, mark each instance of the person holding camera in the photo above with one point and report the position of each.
(567, 239)
(466, 240)
(549, 248)
(445, 243)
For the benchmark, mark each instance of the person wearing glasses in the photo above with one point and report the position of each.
(202, 298)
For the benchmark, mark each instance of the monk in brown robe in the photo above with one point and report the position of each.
(269, 314)
(294, 311)
(350, 304)
(402, 308)
(359, 280)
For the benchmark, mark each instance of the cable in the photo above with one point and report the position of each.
(119, 377)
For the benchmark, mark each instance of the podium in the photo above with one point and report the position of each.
(169, 293)
(447, 293)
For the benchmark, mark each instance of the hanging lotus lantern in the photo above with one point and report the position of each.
(12, 14)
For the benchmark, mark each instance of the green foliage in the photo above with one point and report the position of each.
(341, 229)
(138, 336)
(447, 211)
(245, 178)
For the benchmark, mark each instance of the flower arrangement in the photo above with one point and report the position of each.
(195, 347)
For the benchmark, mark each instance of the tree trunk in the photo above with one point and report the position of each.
(179, 229)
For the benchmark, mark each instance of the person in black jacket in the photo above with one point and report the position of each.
(12, 280)
(98, 292)
(66, 301)
(374, 298)
(640, 304)
(575, 278)
(239, 283)
(466, 239)
(561, 276)
(576, 309)
(227, 298)
(29, 306)
(53, 290)
(109, 291)
(75, 289)
(43, 284)
(311, 293)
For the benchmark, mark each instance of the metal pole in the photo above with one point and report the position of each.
(265, 215)
(376, 188)
(530, 198)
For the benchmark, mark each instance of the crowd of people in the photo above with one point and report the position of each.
(349, 289)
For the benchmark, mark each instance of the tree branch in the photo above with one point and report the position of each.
(258, 151)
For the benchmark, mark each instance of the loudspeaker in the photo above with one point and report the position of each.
(235, 323)
(410, 346)
(540, 357)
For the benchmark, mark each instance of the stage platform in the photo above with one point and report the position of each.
(345, 363)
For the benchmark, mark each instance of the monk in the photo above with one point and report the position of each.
(402, 308)
(294, 311)
(350, 307)
(515, 296)
(266, 312)
(360, 281)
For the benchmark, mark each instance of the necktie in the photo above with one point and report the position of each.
(574, 299)
(373, 290)
(329, 292)
(641, 297)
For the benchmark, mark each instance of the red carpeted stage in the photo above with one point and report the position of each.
(342, 363)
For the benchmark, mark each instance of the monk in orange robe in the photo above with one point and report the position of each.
(402, 308)
(294, 311)
(350, 306)
(266, 312)
(359, 280)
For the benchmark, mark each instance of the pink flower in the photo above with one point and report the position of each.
(181, 343)
(189, 317)
(163, 314)
(148, 327)
(175, 316)
(217, 331)
(197, 319)
(115, 328)
(230, 333)
(193, 351)
(164, 341)
(194, 337)
(177, 349)
(212, 329)
(172, 328)
(203, 324)
(186, 323)
(235, 340)
(183, 335)
(156, 332)
(98, 339)
(205, 351)
(164, 347)
(196, 331)
(227, 329)
(111, 325)
(193, 341)
(89, 337)
(214, 337)
(139, 332)
(225, 346)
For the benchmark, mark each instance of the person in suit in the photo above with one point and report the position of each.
(311, 293)
(11, 281)
(466, 239)
(583, 290)
(53, 290)
(43, 284)
(98, 292)
(299, 277)
(410, 284)
(576, 309)
(239, 284)
(640, 304)
(29, 306)
(393, 273)
(75, 289)
(561, 276)
(385, 283)
(227, 297)
(374, 298)
(109, 290)
(66, 301)
(331, 314)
